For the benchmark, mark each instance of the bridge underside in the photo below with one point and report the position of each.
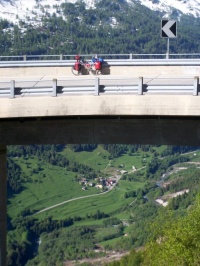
(155, 130)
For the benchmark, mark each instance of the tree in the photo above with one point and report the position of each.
(176, 241)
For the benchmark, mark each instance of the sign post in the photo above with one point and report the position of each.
(168, 30)
(167, 53)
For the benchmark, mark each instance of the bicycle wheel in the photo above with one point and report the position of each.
(75, 72)
(102, 71)
(96, 72)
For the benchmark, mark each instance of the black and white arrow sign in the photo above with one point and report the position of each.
(168, 29)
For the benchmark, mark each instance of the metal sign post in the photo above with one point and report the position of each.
(167, 54)
(168, 30)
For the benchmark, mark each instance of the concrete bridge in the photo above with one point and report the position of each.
(136, 102)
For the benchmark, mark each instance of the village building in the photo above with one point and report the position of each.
(123, 172)
(99, 186)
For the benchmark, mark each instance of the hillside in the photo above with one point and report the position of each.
(103, 196)
(173, 241)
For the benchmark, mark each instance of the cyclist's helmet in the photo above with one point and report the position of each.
(77, 57)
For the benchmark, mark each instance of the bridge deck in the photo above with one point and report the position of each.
(166, 113)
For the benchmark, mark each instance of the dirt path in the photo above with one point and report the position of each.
(98, 261)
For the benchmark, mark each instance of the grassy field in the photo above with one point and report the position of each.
(194, 156)
(109, 203)
(99, 159)
(48, 185)
(130, 186)
(111, 242)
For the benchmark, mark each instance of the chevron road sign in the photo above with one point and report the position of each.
(168, 29)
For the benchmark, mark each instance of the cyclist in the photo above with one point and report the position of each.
(95, 58)
(77, 65)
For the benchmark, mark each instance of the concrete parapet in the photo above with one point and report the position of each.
(128, 71)
(107, 105)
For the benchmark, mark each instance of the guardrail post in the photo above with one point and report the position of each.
(54, 92)
(25, 57)
(131, 56)
(96, 86)
(140, 86)
(12, 89)
(196, 84)
(61, 56)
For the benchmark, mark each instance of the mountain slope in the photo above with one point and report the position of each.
(187, 7)
(32, 11)
(107, 27)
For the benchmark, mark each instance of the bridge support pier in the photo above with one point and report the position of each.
(3, 200)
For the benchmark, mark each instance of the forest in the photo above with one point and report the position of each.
(173, 241)
(135, 29)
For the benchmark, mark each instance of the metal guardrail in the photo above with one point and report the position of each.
(97, 86)
(129, 56)
(109, 62)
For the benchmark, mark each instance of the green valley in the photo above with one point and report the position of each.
(103, 195)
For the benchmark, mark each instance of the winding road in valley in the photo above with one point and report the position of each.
(83, 197)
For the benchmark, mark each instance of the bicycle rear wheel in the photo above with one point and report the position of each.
(75, 72)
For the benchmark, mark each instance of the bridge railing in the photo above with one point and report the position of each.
(99, 86)
(105, 56)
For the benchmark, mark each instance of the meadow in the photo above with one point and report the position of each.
(47, 185)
